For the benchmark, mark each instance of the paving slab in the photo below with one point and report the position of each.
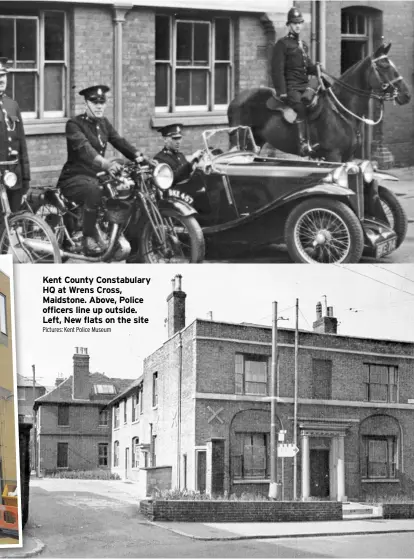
(266, 530)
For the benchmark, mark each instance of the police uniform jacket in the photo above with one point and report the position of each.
(87, 138)
(12, 138)
(291, 64)
(182, 168)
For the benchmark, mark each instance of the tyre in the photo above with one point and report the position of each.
(324, 231)
(184, 240)
(31, 241)
(394, 212)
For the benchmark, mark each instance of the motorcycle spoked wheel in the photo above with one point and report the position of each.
(394, 212)
(322, 231)
(28, 234)
(54, 218)
(184, 240)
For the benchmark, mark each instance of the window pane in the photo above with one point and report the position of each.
(199, 87)
(26, 43)
(54, 36)
(162, 38)
(361, 25)
(182, 87)
(184, 43)
(379, 374)
(222, 39)
(344, 21)
(378, 392)
(7, 37)
(53, 87)
(24, 91)
(201, 44)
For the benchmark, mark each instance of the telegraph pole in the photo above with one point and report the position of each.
(273, 487)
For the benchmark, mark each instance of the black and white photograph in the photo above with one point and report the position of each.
(187, 131)
(253, 415)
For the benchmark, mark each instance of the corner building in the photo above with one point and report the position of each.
(199, 417)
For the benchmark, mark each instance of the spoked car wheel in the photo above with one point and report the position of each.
(325, 232)
(184, 240)
(31, 241)
(394, 212)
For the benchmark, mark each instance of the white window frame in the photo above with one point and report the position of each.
(171, 107)
(40, 113)
(3, 314)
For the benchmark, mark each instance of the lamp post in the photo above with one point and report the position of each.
(273, 487)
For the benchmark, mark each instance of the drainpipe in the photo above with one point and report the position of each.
(179, 390)
(322, 32)
(119, 14)
(313, 32)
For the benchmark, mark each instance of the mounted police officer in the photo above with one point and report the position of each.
(13, 141)
(87, 137)
(171, 154)
(291, 66)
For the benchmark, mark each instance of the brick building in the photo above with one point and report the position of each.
(199, 417)
(172, 60)
(72, 421)
(8, 429)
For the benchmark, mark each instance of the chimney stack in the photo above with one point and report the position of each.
(80, 386)
(326, 324)
(59, 379)
(176, 307)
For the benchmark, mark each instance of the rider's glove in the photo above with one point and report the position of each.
(197, 155)
(140, 157)
(114, 167)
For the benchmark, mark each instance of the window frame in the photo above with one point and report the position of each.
(211, 107)
(61, 444)
(240, 437)
(141, 399)
(62, 407)
(103, 456)
(135, 450)
(155, 389)
(391, 460)
(135, 406)
(116, 454)
(3, 314)
(125, 411)
(21, 390)
(117, 422)
(240, 379)
(103, 413)
(40, 115)
(390, 399)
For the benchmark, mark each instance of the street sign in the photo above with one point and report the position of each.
(287, 450)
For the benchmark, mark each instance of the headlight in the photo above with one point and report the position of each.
(163, 176)
(10, 179)
(367, 171)
(340, 176)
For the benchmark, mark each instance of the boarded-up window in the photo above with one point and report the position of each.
(62, 455)
(321, 379)
(251, 457)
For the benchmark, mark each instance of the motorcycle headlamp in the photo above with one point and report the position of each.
(367, 171)
(10, 179)
(163, 176)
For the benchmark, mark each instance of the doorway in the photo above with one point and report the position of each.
(201, 470)
(126, 462)
(319, 473)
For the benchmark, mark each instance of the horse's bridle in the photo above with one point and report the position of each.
(389, 90)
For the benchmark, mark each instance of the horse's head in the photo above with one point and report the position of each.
(386, 79)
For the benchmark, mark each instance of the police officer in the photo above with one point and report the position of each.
(13, 140)
(87, 137)
(171, 154)
(291, 66)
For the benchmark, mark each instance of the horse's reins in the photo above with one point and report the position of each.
(386, 96)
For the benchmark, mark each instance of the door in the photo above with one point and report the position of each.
(319, 473)
(62, 455)
(126, 462)
(201, 470)
(217, 482)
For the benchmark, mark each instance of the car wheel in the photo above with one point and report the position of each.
(324, 231)
(394, 212)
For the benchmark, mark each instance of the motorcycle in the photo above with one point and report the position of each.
(138, 208)
(24, 235)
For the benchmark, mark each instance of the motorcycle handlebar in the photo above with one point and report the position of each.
(7, 163)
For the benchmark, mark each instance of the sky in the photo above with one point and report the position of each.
(369, 301)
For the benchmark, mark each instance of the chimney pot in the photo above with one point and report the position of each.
(330, 311)
(326, 324)
(178, 282)
(318, 310)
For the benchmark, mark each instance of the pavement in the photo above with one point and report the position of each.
(129, 493)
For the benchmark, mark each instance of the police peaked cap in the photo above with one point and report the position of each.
(3, 65)
(95, 93)
(171, 130)
(294, 16)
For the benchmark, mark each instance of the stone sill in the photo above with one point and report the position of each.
(40, 127)
(380, 480)
(250, 481)
(189, 119)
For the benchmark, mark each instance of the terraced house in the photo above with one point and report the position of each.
(72, 421)
(181, 60)
(199, 416)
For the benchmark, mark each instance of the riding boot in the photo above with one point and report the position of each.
(90, 245)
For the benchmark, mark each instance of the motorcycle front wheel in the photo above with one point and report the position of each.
(184, 239)
(31, 241)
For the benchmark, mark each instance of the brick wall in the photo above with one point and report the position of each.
(239, 511)
(398, 510)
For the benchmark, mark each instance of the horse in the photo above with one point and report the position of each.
(334, 116)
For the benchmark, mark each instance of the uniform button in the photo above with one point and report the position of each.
(10, 139)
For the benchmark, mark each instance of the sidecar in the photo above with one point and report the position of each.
(323, 212)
